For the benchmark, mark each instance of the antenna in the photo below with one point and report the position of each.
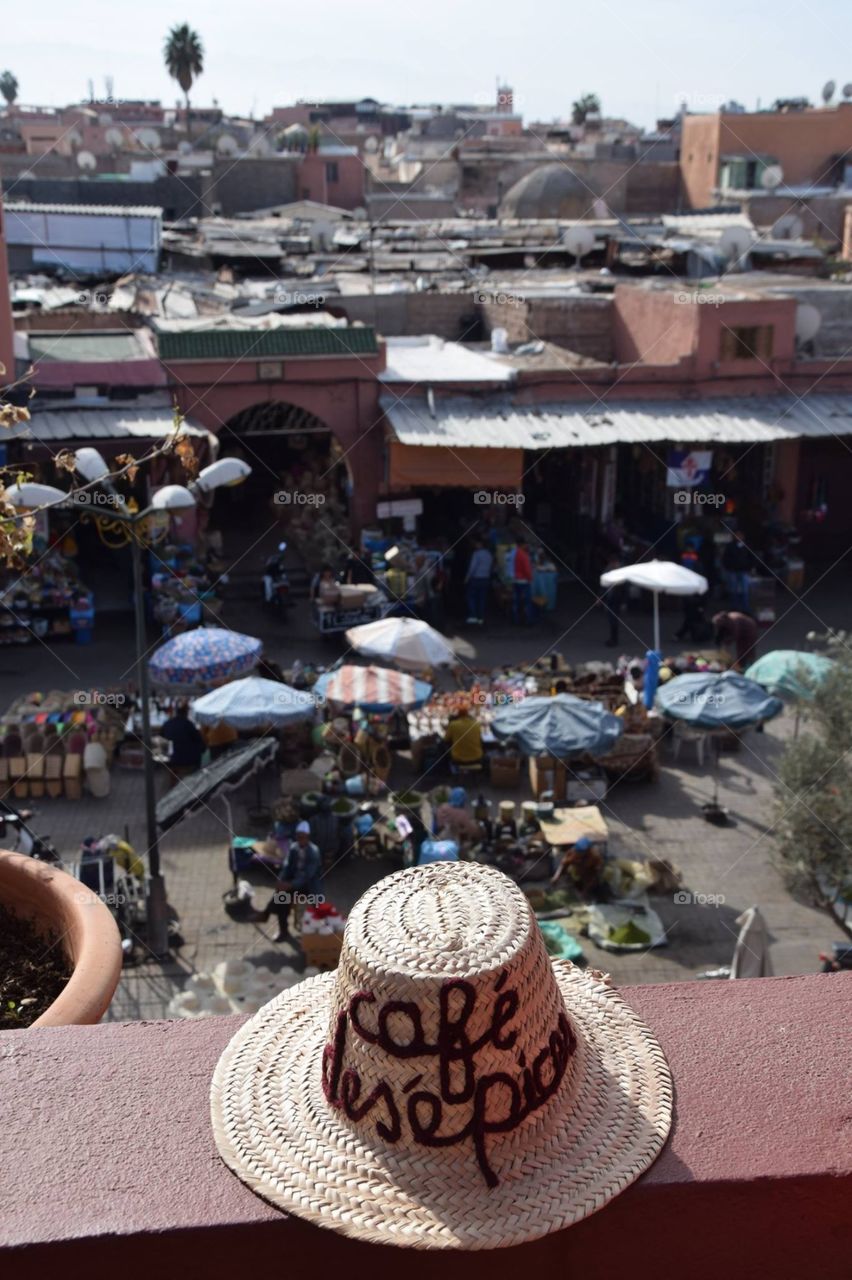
(109, 85)
(772, 177)
(579, 240)
(735, 243)
(808, 321)
(788, 227)
(85, 160)
(91, 85)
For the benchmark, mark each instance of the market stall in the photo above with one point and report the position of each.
(46, 602)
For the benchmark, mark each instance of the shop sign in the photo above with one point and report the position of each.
(399, 507)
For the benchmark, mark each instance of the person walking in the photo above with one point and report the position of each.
(522, 576)
(477, 582)
(300, 877)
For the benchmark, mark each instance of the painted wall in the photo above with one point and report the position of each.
(346, 191)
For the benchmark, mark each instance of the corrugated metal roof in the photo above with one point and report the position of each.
(260, 344)
(468, 422)
(106, 210)
(66, 425)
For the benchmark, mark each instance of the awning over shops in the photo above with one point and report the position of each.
(413, 467)
(68, 427)
(494, 424)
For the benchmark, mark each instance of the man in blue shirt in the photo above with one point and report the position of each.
(477, 581)
(299, 878)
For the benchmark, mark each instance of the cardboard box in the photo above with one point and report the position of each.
(322, 949)
(504, 771)
(17, 767)
(53, 765)
(73, 767)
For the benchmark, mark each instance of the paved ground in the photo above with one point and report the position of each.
(662, 819)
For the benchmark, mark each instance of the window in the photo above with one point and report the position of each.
(751, 342)
(331, 174)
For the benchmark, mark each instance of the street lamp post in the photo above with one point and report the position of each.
(226, 471)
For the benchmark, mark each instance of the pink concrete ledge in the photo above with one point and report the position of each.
(108, 1168)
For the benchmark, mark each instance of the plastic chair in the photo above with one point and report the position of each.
(682, 734)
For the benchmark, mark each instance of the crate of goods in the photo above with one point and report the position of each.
(547, 774)
(72, 775)
(35, 773)
(18, 775)
(53, 762)
(633, 755)
(585, 784)
(505, 770)
(322, 950)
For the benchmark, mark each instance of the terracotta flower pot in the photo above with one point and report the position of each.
(89, 937)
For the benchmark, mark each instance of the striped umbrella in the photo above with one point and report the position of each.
(374, 689)
(204, 658)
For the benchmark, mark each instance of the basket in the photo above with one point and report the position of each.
(504, 771)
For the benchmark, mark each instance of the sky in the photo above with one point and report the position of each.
(641, 59)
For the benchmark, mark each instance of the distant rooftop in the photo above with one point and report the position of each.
(97, 346)
(101, 210)
(262, 344)
(431, 359)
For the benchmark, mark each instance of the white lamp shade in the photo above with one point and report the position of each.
(172, 497)
(90, 464)
(226, 471)
(32, 495)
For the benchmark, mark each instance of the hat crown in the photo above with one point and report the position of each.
(448, 1029)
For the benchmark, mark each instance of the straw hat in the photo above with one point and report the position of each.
(448, 1086)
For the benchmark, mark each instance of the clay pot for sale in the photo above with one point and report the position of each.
(58, 904)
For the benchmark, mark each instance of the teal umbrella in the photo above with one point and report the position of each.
(790, 673)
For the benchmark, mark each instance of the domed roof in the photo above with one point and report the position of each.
(551, 191)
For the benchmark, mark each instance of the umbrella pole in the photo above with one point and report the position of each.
(796, 723)
(657, 621)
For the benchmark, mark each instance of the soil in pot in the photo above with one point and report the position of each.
(33, 972)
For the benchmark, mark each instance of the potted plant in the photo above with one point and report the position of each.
(59, 906)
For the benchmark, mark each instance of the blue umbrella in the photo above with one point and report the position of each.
(717, 700)
(790, 673)
(254, 703)
(561, 726)
(204, 658)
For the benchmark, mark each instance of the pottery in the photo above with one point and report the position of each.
(89, 937)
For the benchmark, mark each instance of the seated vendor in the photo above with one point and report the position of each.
(464, 735)
(584, 863)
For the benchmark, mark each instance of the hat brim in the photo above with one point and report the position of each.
(274, 1129)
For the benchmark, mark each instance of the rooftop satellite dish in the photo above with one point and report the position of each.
(788, 227)
(372, 144)
(808, 321)
(75, 137)
(847, 91)
(85, 160)
(184, 147)
(148, 138)
(735, 243)
(828, 91)
(114, 138)
(359, 214)
(772, 177)
(260, 146)
(579, 241)
(104, 118)
(227, 145)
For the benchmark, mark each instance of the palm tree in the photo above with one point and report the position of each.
(184, 55)
(588, 105)
(9, 87)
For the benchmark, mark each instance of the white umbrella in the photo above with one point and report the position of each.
(254, 703)
(410, 642)
(663, 577)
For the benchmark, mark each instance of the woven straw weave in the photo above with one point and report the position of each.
(596, 1119)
